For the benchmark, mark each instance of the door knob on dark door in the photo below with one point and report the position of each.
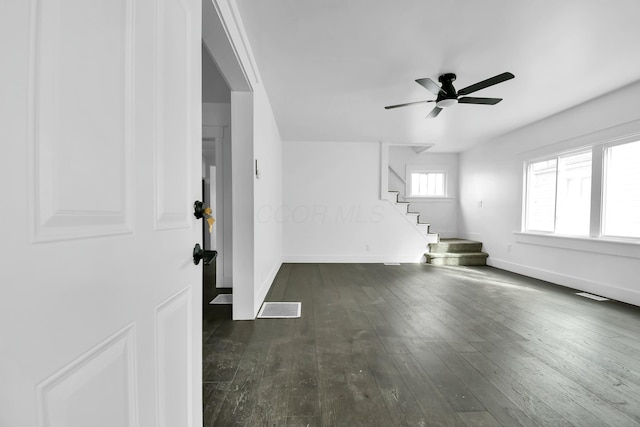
(201, 254)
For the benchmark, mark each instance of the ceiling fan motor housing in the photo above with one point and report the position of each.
(447, 95)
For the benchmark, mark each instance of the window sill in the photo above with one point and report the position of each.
(600, 245)
(433, 199)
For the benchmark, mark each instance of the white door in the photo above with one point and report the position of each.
(100, 157)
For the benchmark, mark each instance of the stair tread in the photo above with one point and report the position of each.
(456, 254)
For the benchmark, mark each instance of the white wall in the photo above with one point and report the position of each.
(267, 196)
(493, 173)
(441, 213)
(257, 240)
(332, 210)
(257, 244)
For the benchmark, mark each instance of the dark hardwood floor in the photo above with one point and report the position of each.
(419, 345)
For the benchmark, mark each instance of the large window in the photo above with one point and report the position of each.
(621, 216)
(558, 192)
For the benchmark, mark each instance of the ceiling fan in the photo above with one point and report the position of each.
(447, 95)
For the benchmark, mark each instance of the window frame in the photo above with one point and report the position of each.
(598, 176)
(604, 165)
(411, 169)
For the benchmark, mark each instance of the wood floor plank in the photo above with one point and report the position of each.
(457, 394)
(399, 400)
(419, 345)
(213, 396)
(427, 396)
(349, 395)
(496, 403)
(304, 400)
(593, 380)
(273, 392)
(479, 419)
(519, 393)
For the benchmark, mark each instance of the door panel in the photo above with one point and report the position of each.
(173, 113)
(100, 302)
(74, 396)
(97, 149)
(174, 351)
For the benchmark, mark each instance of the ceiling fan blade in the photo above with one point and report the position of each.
(388, 107)
(473, 100)
(430, 85)
(434, 113)
(486, 83)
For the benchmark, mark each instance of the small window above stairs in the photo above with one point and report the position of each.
(456, 252)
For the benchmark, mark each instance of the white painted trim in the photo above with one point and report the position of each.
(265, 286)
(216, 38)
(424, 169)
(607, 246)
(429, 199)
(242, 205)
(234, 31)
(603, 289)
(384, 171)
(350, 259)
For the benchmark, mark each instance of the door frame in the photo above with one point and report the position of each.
(224, 37)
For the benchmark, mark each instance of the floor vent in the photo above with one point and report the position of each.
(280, 310)
(593, 297)
(391, 263)
(223, 299)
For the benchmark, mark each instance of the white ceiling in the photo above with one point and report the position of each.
(330, 66)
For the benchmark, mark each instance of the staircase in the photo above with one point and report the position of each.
(413, 218)
(456, 252)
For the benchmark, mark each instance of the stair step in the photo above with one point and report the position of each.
(456, 258)
(394, 195)
(455, 245)
(412, 217)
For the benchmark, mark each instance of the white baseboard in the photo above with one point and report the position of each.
(352, 259)
(446, 234)
(471, 236)
(265, 286)
(621, 294)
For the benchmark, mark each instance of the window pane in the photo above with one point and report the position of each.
(427, 183)
(622, 191)
(541, 195)
(439, 190)
(574, 194)
(415, 184)
(424, 184)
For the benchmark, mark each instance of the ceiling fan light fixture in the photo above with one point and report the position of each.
(447, 102)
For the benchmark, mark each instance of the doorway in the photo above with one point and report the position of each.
(216, 177)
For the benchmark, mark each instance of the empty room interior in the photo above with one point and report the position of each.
(456, 264)
(320, 213)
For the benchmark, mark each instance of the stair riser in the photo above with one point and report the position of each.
(455, 247)
(457, 261)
